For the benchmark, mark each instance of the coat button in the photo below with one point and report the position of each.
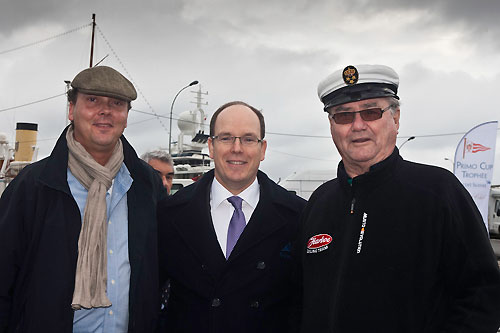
(216, 302)
(254, 304)
(261, 265)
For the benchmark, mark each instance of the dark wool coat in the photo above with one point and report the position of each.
(39, 228)
(250, 292)
(409, 252)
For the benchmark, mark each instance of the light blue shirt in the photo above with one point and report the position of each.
(113, 318)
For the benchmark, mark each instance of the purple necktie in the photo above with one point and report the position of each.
(236, 225)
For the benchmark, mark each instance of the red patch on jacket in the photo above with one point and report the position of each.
(318, 243)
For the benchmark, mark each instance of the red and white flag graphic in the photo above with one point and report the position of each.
(479, 147)
(471, 147)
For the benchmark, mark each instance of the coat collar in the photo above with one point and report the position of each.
(191, 218)
(266, 218)
(268, 189)
(379, 173)
(194, 223)
(54, 171)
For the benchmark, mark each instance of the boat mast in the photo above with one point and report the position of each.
(92, 42)
(67, 82)
(199, 104)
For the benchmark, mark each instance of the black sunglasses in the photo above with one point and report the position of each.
(343, 118)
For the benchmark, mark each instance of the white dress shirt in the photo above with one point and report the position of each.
(222, 210)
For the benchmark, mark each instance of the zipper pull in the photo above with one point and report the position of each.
(352, 205)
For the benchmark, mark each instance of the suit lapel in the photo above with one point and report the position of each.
(195, 227)
(266, 219)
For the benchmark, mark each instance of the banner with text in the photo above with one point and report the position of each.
(473, 166)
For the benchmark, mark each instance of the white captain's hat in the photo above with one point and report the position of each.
(356, 83)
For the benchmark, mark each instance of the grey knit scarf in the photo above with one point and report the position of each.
(91, 268)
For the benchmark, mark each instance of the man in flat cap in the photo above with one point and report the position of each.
(389, 245)
(78, 242)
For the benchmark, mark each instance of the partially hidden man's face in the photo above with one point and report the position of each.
(98, 121)
(365, 143)
(236, 165)
(165, 170)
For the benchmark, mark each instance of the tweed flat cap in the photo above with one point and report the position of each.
(104, 81)
(356, 83)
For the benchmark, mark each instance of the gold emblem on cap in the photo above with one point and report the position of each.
(350, 75)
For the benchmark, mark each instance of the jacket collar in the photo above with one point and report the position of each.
(54, 171)
(266, 219)
(195, 226)
(379, 173)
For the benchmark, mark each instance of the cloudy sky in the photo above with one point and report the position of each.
(271, 54)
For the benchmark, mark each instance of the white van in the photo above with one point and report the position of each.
(179, 183)
(494, 211)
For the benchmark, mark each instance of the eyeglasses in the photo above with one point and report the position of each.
(247, 140)
(371, 114)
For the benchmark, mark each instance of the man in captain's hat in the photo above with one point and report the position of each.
(78, 242)
(389, 245)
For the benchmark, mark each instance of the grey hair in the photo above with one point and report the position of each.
(159, 155)
(394, 103)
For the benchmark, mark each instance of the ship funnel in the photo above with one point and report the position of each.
(26, 134)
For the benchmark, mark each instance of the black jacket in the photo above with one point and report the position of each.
(39, 228)
(250, 292)
(409, 252)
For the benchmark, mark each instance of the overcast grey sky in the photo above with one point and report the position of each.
(271, 54)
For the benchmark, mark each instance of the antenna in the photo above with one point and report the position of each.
(92, 42)
(199, 105)
(102, 59)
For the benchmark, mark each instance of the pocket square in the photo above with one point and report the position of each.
(285, 252)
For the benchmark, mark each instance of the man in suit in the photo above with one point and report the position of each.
(78, 242)
(225, 240)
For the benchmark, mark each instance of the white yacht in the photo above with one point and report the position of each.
(190, 151)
